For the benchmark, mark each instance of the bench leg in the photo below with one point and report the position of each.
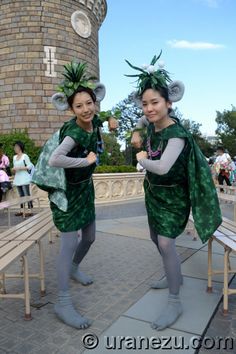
(3, 284)
(27, 291)
(24, 210)
(22, 266)
(42, 276)
(39, 207)
(9, 217)
(229, 264)
(50, 236)
(209, 281)
(226, 280)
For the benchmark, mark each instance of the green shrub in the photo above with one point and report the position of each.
(8, 141)
(115, 169)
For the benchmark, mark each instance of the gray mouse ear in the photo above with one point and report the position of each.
(59, 100)
(99, 91)
(176, 91)
(137, 99)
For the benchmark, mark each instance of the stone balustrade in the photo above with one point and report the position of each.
(109, 187)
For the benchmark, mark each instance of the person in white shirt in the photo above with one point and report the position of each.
(222, 166)
(21, 168)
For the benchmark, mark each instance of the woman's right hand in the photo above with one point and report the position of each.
(92, 157)
(136, 140)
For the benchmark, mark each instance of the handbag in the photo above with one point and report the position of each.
(5, 186)
(28, 169)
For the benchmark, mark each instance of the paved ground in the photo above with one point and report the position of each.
(122, 263)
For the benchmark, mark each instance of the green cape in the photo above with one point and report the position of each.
(201, 189)
(204, 200)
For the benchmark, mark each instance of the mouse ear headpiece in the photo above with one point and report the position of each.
(74, 77)
(150, 77)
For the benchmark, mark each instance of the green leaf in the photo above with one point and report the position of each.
(91, 78)
(134, 67)
(132, 75)
(91, 85)
(155, 58)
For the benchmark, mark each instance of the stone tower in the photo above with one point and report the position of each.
(36, 39)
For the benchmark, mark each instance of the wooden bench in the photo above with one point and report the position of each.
(228, 198)
(226, 237)
(227, 189)
(16, 202)
(14, 245)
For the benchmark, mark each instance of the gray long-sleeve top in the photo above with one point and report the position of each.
(59, 157)
(169, 157)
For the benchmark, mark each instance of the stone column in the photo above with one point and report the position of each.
(37, 39)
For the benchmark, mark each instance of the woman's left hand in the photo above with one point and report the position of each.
(112, 124)
(141, 155)
(16, 169)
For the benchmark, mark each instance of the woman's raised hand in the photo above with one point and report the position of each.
(92, 157)
(141, 155)
(112, 124)
(136, 140)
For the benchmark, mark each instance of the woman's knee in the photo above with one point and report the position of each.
(89, 233)
(88, 241)
(69, 240)
(166, 244)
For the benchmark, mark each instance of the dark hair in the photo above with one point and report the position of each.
(221, 148)
(20, 144)
(163, 91)
(70, 99)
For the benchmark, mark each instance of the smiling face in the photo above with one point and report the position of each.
(155, 107)
(83, 107)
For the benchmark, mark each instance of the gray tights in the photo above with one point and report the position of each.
(71, 250)
(171, 262)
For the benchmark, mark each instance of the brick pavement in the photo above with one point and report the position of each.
(122, 268)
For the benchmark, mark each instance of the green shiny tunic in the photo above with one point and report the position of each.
(79, 184)
(188, 184)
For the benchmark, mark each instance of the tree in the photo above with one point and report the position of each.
(190, 125)
(194, 128)
(8, 141)
(226, 129)
(112, 154)
(130, 113)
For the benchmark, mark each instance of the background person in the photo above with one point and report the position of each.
(5, 184)
(222, 166)
(22, 178)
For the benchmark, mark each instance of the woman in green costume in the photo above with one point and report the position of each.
(79, 144)
(177, 179)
